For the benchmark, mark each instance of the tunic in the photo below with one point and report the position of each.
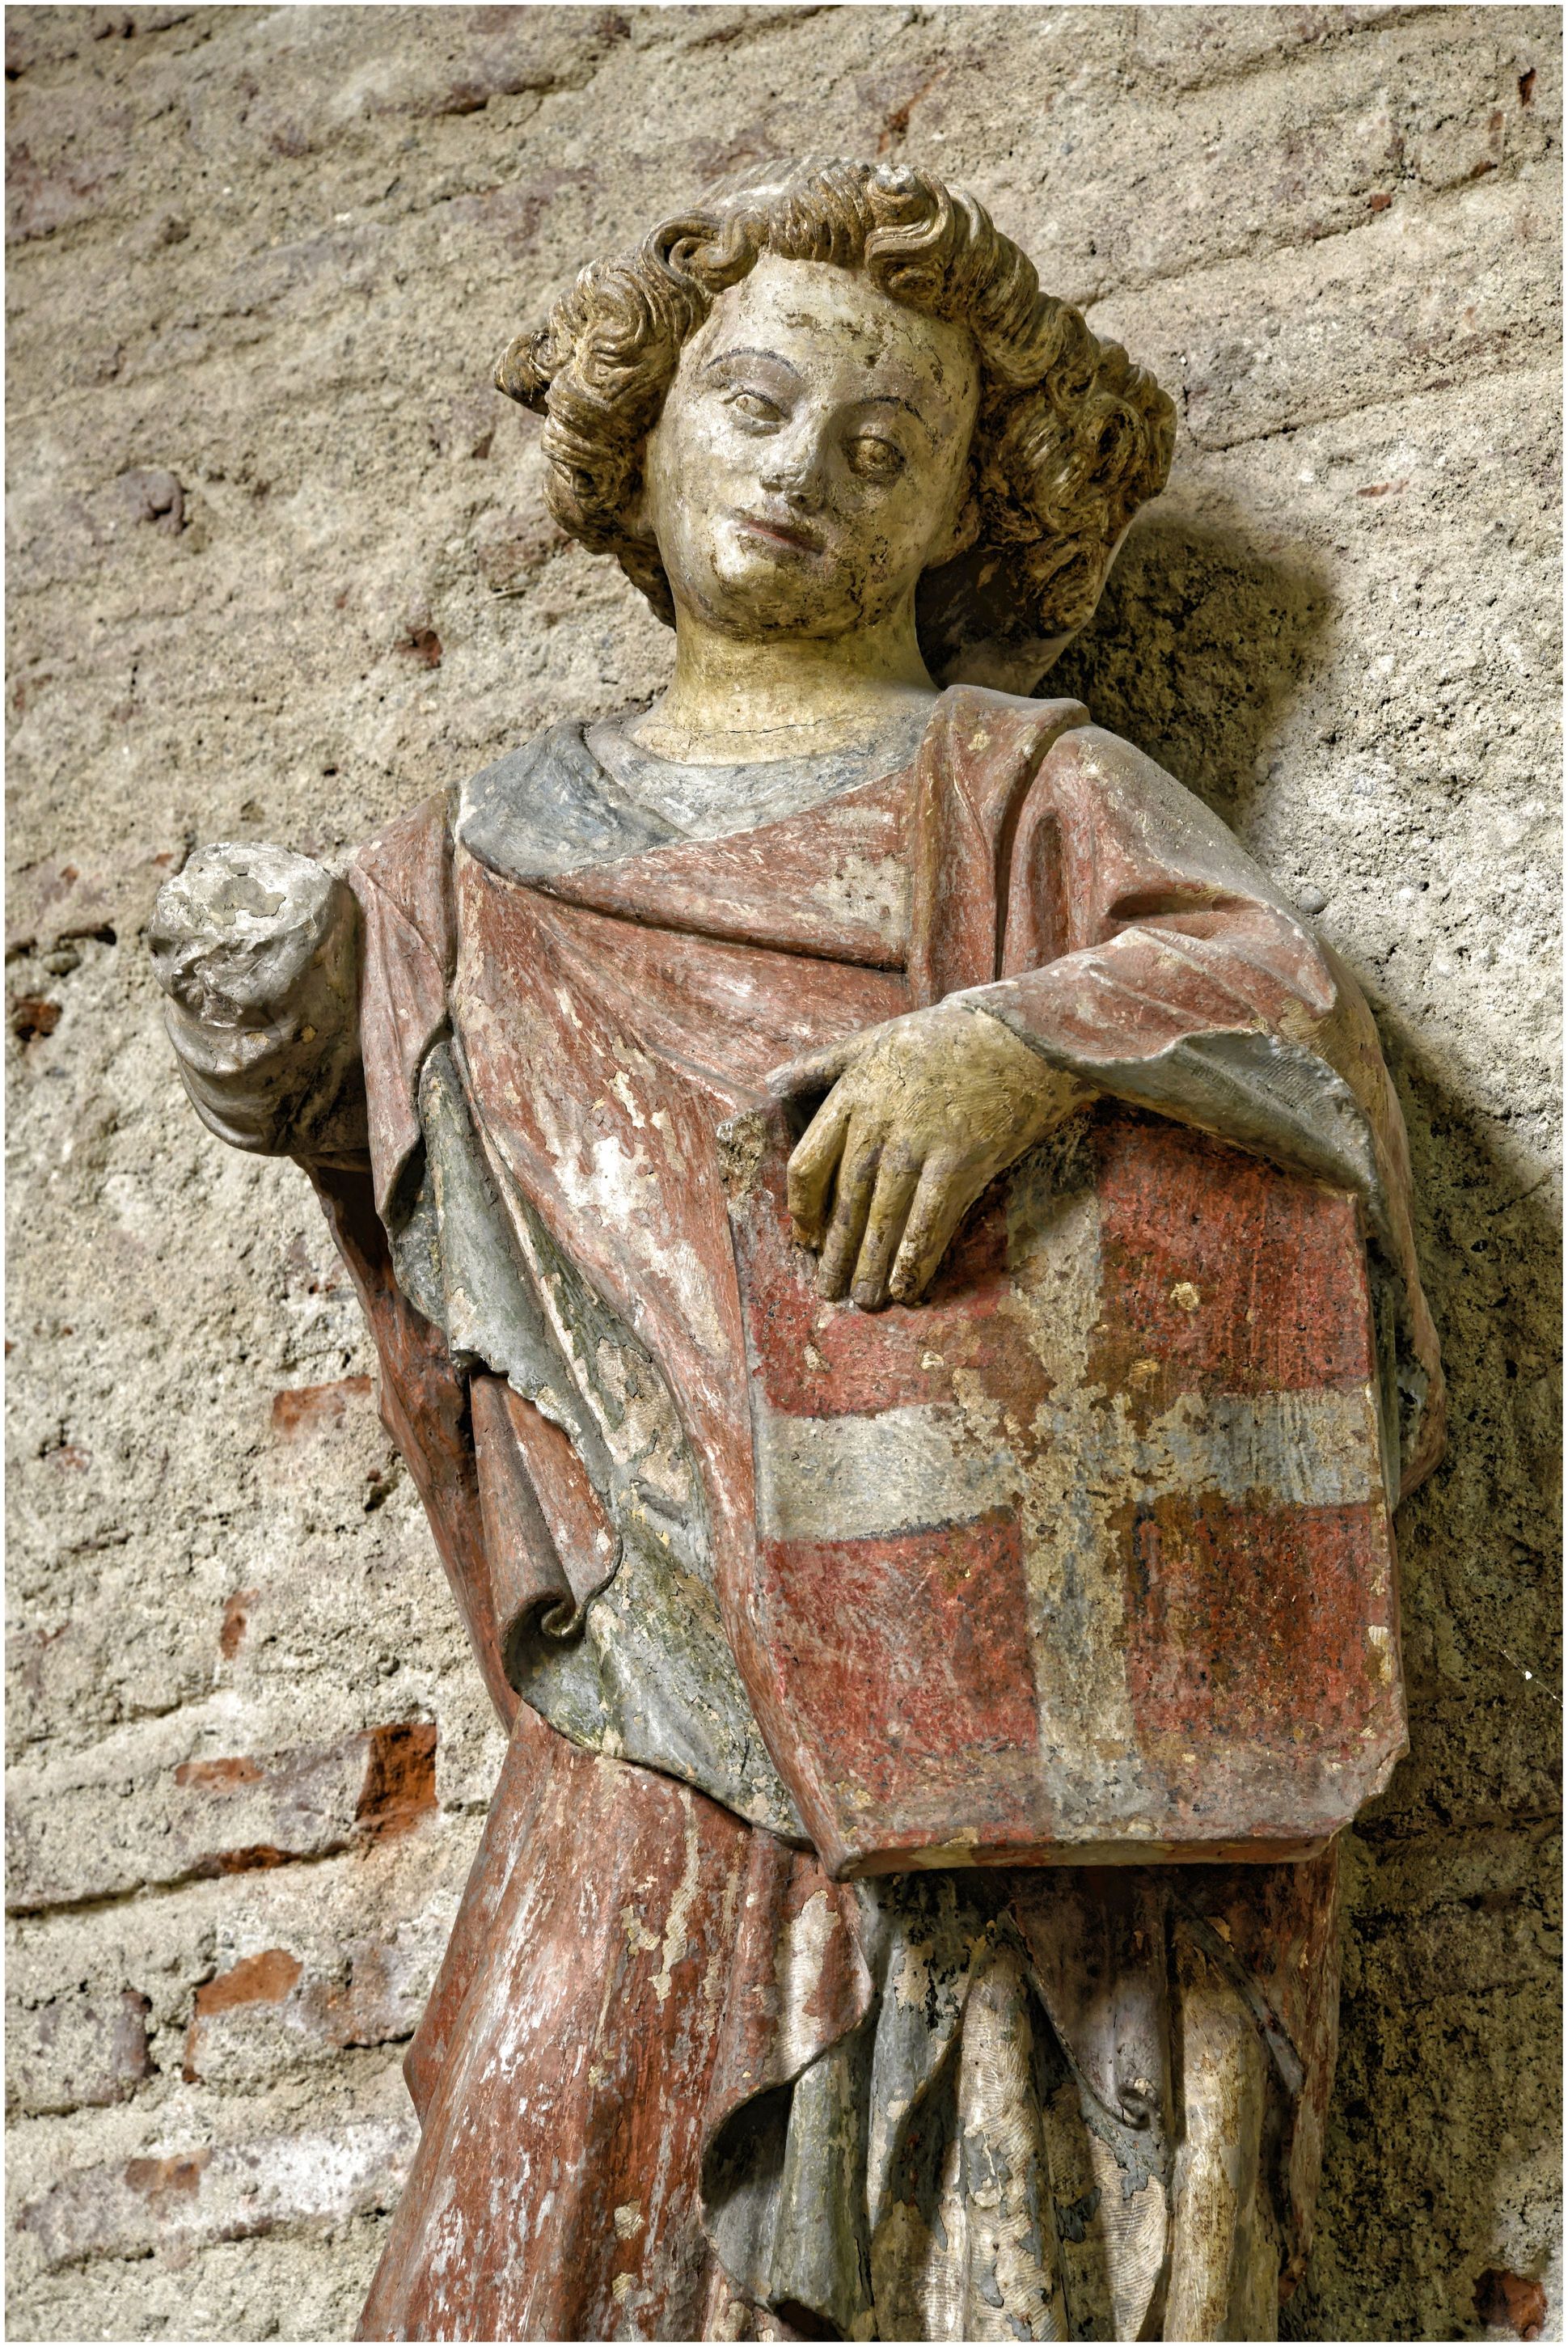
(674, 2082)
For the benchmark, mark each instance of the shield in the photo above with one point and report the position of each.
(1088, 1557)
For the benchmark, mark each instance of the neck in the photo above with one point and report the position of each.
(734, 698)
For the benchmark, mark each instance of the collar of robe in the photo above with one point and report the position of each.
(550, 808)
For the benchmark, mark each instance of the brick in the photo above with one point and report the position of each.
(299, 1412)
(1512, 2303)
(183, 2199)
(262, 1979)
(399, 1785)
(207, 1817)
(78, 2047)
(32, 1015)
(247, 1980)
(266, 1978)
(236, 1622)
(277, 2011)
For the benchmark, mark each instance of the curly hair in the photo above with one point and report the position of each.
(1070, 436)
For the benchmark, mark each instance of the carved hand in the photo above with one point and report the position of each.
(923, 1114)
(256, 949)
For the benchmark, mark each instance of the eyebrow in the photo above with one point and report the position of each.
(775, 358)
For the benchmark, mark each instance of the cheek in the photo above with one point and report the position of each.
(686, 470)
(900, 524)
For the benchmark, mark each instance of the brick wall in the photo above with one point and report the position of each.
(279, 565)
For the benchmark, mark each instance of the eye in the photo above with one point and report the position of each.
(755, 407)
(872, 459)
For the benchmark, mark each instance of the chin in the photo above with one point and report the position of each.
(771, 592)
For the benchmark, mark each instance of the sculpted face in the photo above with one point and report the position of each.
(811, 460)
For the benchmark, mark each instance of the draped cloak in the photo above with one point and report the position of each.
(673, 2081)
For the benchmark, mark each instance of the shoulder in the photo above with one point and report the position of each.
(984, 757)
(543, 808)
(409, 839)
(1087, 764)
(402, 875)
(523, 812)
(550, 808)
(973, 722)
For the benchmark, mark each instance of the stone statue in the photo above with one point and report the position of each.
(888, 1243)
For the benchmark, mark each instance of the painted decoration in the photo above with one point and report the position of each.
(1088, 1557)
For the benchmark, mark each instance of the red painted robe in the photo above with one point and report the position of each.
(659, 2024)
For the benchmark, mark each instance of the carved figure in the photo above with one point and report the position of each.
(824, 1971)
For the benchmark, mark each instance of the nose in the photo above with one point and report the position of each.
(795, 468)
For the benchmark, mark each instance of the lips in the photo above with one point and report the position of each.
(800, 538)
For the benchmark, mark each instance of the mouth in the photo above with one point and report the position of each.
(799, 538)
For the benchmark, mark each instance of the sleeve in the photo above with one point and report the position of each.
(1141, 950)
(402, 881)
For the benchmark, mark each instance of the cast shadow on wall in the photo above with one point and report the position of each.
(1449, 2021)
(1200, 644)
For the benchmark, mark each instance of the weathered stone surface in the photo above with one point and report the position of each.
(185, 2199)
(231, 2289)
(185, 1982)
(74, 2049)
(1284, 160)
(227, 1814)
(1324, 340)
(296, 260)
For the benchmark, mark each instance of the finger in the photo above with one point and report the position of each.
(851, 1204)
(809, 1173)
(945, 1194)
(813, 1072)
(897, 1183)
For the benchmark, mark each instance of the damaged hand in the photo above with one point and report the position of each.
(923, 1113)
